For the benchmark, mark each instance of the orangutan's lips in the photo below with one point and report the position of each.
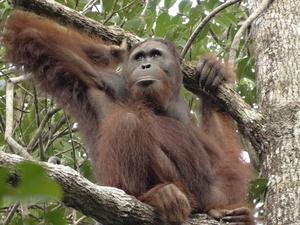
(145, 81)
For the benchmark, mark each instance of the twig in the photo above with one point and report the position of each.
(38, 132)
(19, 79)
(38, 121)
(145, 8)
(214, 36)
(80, 220)
(16, 147)
(89, 5)
(72, 143)
(19, 118)
(202, 24)
(119, 10)
(9, 109)
(11, 214)
(112, 13)
(237, 38)
(49, 136)
(2, 124)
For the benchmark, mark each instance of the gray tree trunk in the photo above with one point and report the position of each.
(276, 36)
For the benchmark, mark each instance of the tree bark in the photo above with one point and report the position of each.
(107, 205)
(276, 35)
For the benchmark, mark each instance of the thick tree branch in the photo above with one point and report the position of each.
(107, 205)
(67, 16)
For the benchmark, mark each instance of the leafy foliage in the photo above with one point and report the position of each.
(29, 184)
(175, 20)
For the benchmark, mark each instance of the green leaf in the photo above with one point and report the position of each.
(215, 28)
(202, 34)
(87, 171)
(162, 24)
(150, 19)
(225, 20)
(245, 68)
(108, 5)
(55, 217)
(80, 4)
(153, 5)
(115, 20)
(5, 11)
(210, 4)
(258, 189)
(247, 89)
(36, 184)
(70, 3)
(133, 11)
(185, 6)
(230, 16)
(19, 220)
(168, 3)
(135, 25)
(93, 15)
(176, 30)
(4, 186)
(195, 14)
(29, 125)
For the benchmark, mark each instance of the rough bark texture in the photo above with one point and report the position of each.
(276, 36)
(107, 205)
(67, 16)
(250, 121)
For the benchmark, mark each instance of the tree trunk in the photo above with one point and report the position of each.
(276, 36)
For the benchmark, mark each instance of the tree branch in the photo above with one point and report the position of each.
(67, 16)
(202, 24)
(9, 113)
(38, 132)
(107, 205)
(237, 38)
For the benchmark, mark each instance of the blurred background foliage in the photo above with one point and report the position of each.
(33, 199)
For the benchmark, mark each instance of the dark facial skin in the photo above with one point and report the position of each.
(150, 68)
